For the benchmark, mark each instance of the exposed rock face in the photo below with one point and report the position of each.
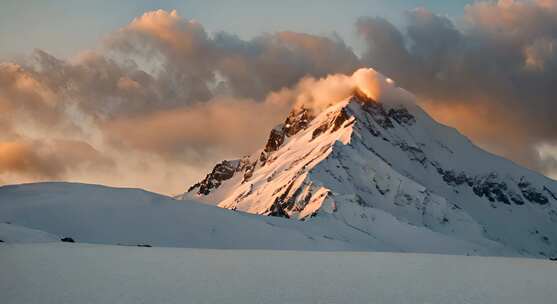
(532, 194)
(222, 171)
(402, 116)
(297, 120)
(389, 167)
(494, 189)
(332, 125)
(277, 209)
(276, 139)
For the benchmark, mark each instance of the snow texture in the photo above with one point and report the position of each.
(105, 215)
(81, 273)
(16, 234)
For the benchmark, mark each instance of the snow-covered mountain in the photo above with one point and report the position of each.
(389, 170)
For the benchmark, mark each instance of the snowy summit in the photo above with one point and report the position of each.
(376, 162)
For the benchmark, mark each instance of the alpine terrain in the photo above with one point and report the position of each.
(345, 196)
(383, 167)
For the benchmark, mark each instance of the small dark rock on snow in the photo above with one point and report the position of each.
(67, 240)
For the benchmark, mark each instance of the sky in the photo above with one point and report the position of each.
(65, 27)
(152, 94)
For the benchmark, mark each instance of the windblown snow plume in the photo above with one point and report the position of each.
(319, 94)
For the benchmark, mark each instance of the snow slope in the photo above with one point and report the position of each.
(82, 273)
(389, 170)
(10, 233)
(105, 215)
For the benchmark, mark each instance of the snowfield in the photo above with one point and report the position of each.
(105, 215)
(332, 262)
(84, 273)
(10, 233)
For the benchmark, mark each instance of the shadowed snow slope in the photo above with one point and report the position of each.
(10, 233)
(82, 273)
(104, 215)
(388, 170)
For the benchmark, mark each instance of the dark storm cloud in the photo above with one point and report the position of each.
(494, 79)
(274, 61)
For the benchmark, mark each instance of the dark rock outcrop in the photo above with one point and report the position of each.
(298, 120)
(332, 125)
(277, 209)
(276, 139)
(402, 116)
(531, 193)
(493, 189)
(221, 172)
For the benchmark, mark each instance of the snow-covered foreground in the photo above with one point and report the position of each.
(86, 273)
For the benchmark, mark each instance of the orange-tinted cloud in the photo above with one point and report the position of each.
(47, 159)
(162, 99)
(231, 127)
(160, 95)
(234, 127)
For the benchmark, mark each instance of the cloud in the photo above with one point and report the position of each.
(224, 127)
(158, 95)
(180, 49)
(231, 127)
(317, 94)
(161, 99)
(35, 159)
(21, 91)
(193, 66)
(548, 155)
(273, 61)
(493, 78)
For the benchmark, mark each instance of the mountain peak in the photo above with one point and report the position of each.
(387, 165)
